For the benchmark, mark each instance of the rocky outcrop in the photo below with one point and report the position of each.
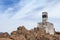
(34, 34)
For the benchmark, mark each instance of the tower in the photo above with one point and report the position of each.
(44, 21)
(44, 17)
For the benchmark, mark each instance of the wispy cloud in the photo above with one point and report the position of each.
(28, 13)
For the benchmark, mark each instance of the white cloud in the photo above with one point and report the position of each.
(11, 20)
(53, 10)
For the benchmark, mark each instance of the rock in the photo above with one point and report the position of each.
(14, 33)
(20, 28)
(6, 35)
(5, 39)
(15, 37)
(34, 34)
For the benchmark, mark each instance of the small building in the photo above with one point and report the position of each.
(47, 26)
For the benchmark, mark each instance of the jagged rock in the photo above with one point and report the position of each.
(1, 35)
(6, 34)
(5, 39)
(21, 37)
(34, 34)
(14, 33)
(15, 37)
(29, 36)
(20, 28)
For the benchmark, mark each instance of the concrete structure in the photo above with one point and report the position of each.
(49, 27)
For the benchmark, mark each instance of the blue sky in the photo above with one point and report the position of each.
(14, 13)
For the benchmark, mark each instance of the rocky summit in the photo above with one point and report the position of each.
(34, 34)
